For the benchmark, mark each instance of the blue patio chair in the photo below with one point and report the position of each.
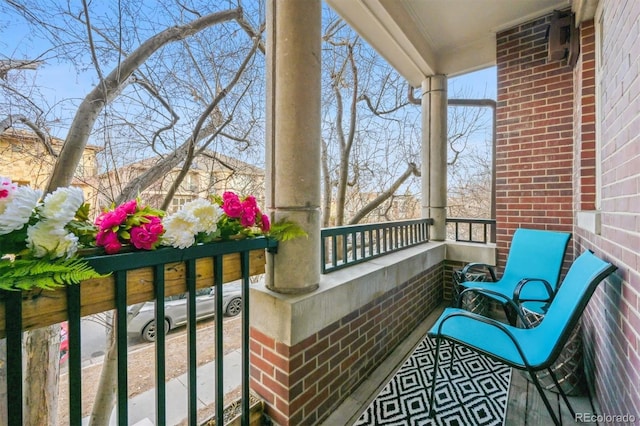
(531, 349)
(533, 268)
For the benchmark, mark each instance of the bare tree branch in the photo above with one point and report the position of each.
(251, 32)
(7, 65)
(412, 169)
(96, 100)
(172, 160)
(365, 97)
(44, 138)
(154, 92)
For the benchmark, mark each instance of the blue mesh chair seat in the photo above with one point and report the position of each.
(531, 349)
(532, 271)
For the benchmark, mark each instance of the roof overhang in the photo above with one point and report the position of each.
(420, 38)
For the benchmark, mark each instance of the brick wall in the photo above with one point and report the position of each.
(611, 322)
(447, 285)
(301, 384)
(534, 152)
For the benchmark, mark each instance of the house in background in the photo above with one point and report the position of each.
(26, 159)
(210, 173)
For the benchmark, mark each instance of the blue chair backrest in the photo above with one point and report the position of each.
(586, 272)
(536, 253)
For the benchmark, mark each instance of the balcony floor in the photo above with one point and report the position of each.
(524, 401)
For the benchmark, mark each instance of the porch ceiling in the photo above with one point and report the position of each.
(425, 37)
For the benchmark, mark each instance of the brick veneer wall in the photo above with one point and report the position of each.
(534, 143)
(447, 285)
(302, 384)
(611, 322)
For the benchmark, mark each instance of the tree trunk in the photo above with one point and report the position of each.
(42, 352)
(3, 381)
(41, 390)
(107, 387)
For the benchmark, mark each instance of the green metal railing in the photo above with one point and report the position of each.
(349, 245)
(119, 265)
(478, 231)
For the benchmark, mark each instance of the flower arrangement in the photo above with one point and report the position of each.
(40, 238)
(241, 216)
(226, 217)
(129, 223)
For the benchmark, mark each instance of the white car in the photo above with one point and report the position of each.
(175, 310)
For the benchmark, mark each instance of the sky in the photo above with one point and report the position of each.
(482, 83)
(60, 81)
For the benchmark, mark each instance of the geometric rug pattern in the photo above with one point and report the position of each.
(472, 392)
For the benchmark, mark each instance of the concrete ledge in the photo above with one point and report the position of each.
(292, 318)
(590, 221)
(472, 252)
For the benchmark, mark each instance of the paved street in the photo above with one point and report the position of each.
(141, 361)
(93, 334)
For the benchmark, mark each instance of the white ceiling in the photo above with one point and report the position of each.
(452, 37)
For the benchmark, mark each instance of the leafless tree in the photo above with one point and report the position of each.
(164, 72)
(369, 148)
(177, 80)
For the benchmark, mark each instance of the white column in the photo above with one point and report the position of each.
(434, 154)
(293, 68)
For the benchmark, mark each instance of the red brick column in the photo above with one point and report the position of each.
(534, 152)
(585, 120)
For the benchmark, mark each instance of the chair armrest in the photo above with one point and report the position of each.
(476, 265)
(507, 300)
(516, 292)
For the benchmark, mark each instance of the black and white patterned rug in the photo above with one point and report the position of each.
(473, 392)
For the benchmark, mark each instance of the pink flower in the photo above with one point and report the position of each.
(248, 219)
(109, 240)
(265, 225)
(111, 219)
(231, 205)
(129, 207)
(250, 212)
(6, 187)
(250, 203)
(146, 235)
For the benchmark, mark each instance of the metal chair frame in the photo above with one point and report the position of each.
(531, 349)
(535, 257)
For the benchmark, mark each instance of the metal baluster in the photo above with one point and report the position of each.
(191, 342)
(75, 355)
(161, 392)
(244, 267)
(219, 379)
(121, 338)
(13, 321)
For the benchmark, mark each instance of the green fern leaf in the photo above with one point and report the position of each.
(26, 274)
(285, 230)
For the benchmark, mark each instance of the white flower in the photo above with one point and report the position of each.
(62, 204)
(206, 214)
(47, 238)
(18, 211)
(180, 229)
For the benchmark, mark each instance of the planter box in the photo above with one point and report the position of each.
(41, 308)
